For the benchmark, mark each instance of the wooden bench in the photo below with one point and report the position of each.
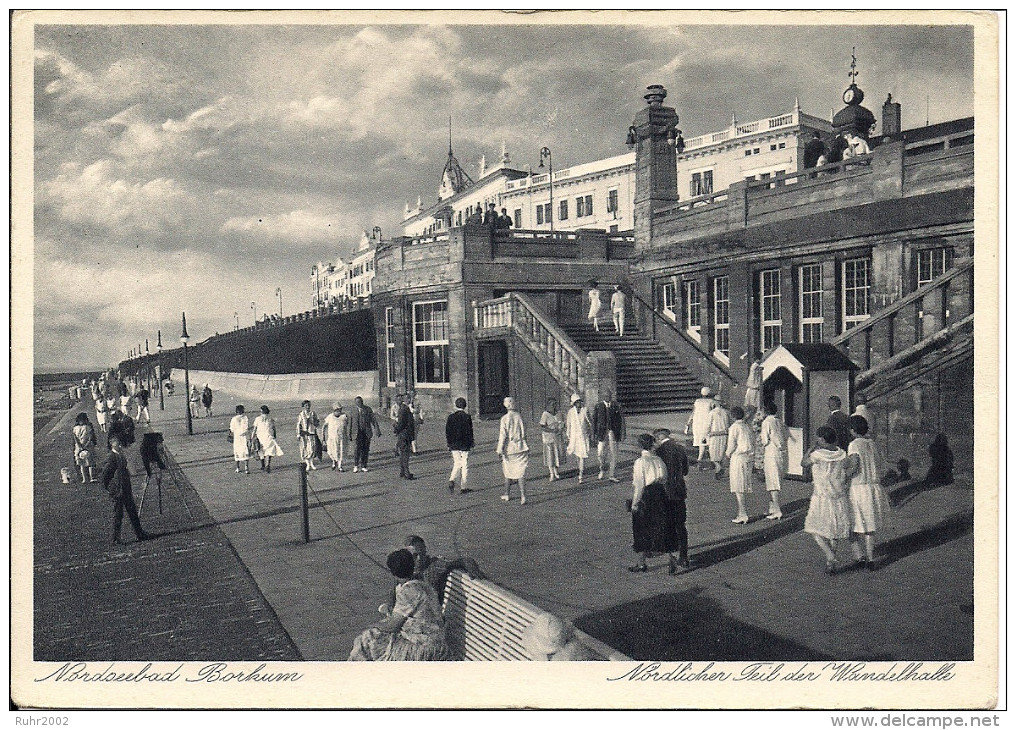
(485, 622)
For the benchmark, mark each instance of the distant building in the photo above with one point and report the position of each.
(327, 282)
(760, 150)
(361, 268)
(333, 283)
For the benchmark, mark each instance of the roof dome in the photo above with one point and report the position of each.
(854, 117)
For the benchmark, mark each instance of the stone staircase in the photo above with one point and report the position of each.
(649, 378)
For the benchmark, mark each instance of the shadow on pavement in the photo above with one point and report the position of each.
(932, 536)
(688, 626)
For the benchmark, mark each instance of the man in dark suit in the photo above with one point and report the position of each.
(405, 434)
(839, 422)
(116, 479)
(813, 150)
(608, 432)
(459, 434)
(676, 460)
(360, 428)
(490, 217)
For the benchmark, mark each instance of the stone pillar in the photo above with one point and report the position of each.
(655, 162)
(601, 376)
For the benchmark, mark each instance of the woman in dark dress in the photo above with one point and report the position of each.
(653, 516)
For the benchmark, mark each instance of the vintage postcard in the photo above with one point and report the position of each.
(362, 345)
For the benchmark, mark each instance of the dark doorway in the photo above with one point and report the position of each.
(493, 370)
(786, 392)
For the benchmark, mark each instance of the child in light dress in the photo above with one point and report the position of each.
(869, 502)
(829, 517)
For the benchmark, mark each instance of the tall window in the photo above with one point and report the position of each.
(772, 318)
(430, 342)
(668, 295)
(562, 214)
(518, 217)
(931, 264)
(693, 310)
(390, 344)
(856, 290)
(811, 303)
(612, 201)
(539, 214)
(701, 183)
(721, 317)
(583, 206)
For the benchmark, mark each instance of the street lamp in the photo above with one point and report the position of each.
(254, 308)
(148, 366)
(158, 347)
(278, 293)
(236, 316)
(185, 338)
(545, 154)
(317, 285)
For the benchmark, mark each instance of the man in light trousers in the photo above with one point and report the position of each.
(459, 435)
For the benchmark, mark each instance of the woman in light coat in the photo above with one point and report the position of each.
(577, 430)
(268, 445)
(513, 450)
(741, 452)
(774, 439)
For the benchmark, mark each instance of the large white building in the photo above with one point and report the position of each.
(600, 194)
(332, 283)
(757, 150)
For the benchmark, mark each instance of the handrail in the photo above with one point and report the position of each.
(559, 334)
(957, 270)
(864, 378)
(673, 327)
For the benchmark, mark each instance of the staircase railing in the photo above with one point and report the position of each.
(672, 337)
(551, 345)
(925, 318)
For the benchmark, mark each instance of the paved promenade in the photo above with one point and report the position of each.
(754, 592)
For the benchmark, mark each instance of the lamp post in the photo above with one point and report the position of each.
(158, 347)
(236, 316)
(545, 154)
(278, 293)
(148, 367)
(317, 285)
(185, 338)
(254, 308)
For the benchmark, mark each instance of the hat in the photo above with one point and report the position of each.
(545, 636)
(575, 397)
(336, 406)
(706, 392)
(401, 564)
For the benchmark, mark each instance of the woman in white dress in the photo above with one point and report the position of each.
(577, 430)
(869, 502)
(594, 305)
(828, 517)
(698, 424)
(306, 433)
(513, 450)
(264, 431)
(719, 426)
(741, 452)
(774, 463)
(239, 426)
(334, 433)
(101, 413)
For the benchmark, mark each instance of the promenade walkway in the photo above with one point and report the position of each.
(755, 592)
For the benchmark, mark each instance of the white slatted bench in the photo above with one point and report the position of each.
(485, 622)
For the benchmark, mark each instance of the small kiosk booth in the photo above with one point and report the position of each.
(799, 379)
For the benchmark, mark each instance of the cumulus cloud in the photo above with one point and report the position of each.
(199, 167)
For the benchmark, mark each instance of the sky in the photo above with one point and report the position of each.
(198, 168)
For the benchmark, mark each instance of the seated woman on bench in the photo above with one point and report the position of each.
(413, 630)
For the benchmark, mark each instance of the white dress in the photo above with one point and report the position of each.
(336, 426)
(264, 429)
(594, 304)
(719, 425)
(829, 510)
(577, 430)
(753, 387)
(869, 502)
(741, 451)
(774, 463)
(699, 421)
(512, 446)
(240, 428)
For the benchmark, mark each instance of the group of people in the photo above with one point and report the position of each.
(200, 399)
(844, 146)
(491, 218)
(314, 437)
(618, 302)
(849, 500)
